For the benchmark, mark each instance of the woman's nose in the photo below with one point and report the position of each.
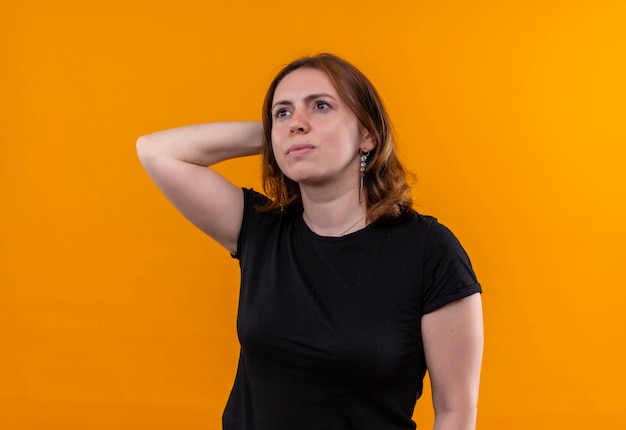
(299, 123)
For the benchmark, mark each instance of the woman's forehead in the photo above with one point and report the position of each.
(302, 82)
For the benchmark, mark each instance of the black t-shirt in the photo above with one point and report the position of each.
(330, 327)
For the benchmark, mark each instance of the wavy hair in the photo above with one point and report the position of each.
(385, 189)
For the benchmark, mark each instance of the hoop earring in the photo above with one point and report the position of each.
(364, 155)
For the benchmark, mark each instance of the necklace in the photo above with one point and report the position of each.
(352, 226)
(304, 215)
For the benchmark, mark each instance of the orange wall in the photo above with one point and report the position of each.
(117, 314)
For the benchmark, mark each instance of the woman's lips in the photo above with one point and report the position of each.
(300, 149)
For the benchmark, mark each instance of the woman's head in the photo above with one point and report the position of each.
(385, 190)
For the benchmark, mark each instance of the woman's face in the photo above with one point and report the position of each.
(316, 137)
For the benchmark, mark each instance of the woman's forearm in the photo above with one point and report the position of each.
(203, 144)
(176, 160)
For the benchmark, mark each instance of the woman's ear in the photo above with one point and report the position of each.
(367, 140)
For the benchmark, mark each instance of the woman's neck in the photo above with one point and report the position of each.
(333, 212)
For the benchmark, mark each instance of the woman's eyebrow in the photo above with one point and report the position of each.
(307, 99)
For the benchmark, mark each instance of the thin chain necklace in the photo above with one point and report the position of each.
(346, 230)
(352, 226)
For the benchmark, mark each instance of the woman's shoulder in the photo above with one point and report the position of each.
(410, 219)
(415, 227)
(254, 198)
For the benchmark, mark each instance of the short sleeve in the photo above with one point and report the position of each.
(448, 273)
(251, 200)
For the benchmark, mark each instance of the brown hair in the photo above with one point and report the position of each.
(385, 190)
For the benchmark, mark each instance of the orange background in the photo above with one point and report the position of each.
(115, 313)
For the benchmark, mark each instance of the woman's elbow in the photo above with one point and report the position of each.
(146, 149)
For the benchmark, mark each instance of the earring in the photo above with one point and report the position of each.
(364, 155)
(282, 192)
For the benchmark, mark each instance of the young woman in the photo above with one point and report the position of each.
(347, 294)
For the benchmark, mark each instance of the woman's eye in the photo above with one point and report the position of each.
(321, 105)
(280, 113)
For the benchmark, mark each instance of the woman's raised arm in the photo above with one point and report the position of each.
(177, 161)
